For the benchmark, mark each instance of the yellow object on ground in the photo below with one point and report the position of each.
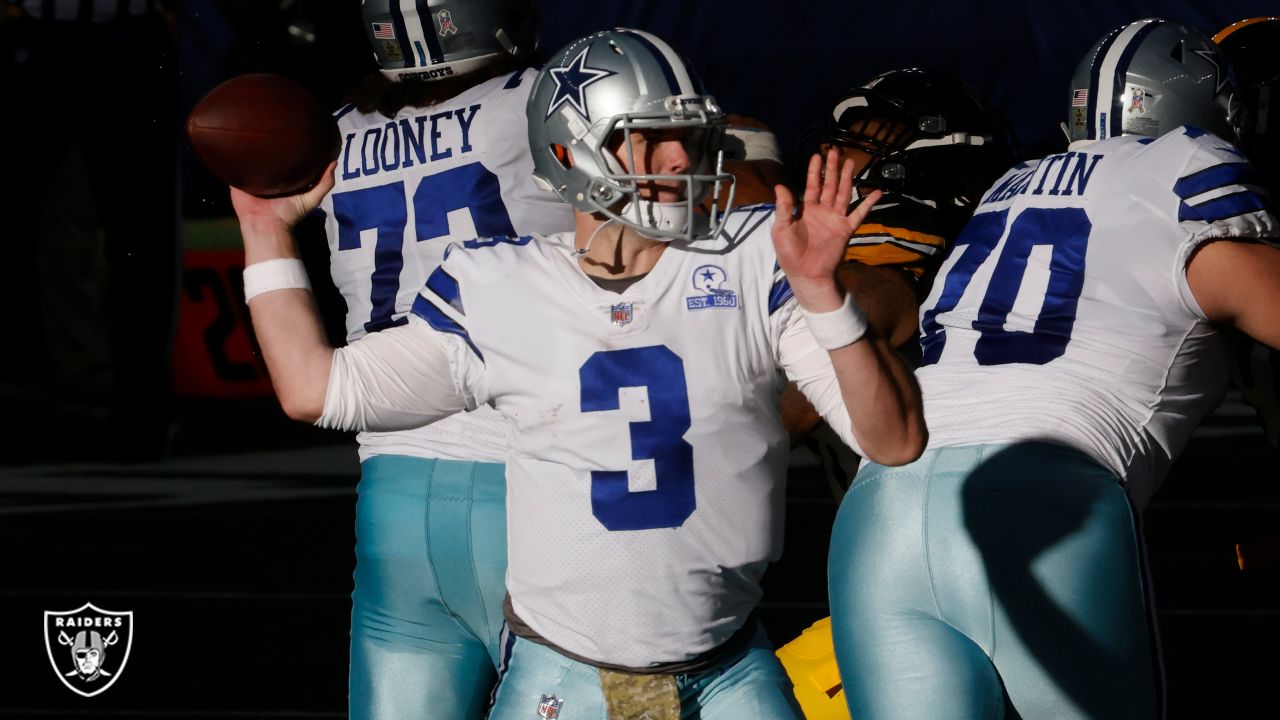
(810, 660)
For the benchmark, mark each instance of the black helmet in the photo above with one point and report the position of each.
(1251, 45)
(930, 136)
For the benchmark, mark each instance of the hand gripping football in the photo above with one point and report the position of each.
(264, 134)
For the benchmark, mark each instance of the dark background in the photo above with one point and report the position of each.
(235, 555)
(779, 62)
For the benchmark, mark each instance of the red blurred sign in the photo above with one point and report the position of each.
(215, 354)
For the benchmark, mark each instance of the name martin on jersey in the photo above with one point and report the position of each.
(1075, 168)
(404, 142)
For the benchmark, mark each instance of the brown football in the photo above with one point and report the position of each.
(264, 134)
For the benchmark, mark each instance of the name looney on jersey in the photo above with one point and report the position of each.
(1070, 173)
(404, 142)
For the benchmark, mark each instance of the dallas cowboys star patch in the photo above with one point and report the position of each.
(572, 82)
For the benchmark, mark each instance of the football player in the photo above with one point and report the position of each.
(636, 359)
(427, 159)
(1250, 45)
(1071, 344)
(933, 145)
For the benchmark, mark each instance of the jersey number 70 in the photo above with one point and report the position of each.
(1066, 230)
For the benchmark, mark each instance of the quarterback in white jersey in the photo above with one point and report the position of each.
(1071, 344)
(609, 395)
(637, 361)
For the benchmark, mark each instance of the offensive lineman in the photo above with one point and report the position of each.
(427, 160)
(636, 360)
(1070, 348)
(933, 145)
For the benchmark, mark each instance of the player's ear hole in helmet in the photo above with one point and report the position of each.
(602, 96)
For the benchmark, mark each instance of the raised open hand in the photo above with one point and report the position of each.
(811, 243)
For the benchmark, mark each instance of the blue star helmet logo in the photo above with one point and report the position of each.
(572, 81)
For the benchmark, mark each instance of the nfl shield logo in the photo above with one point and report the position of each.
(88, 647)
(620, 314)
(549, 707)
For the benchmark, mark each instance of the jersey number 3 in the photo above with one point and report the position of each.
(1066, 230)
(660, 438)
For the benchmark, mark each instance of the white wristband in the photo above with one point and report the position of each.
(756, 144)
(278, 274)
(843, 326)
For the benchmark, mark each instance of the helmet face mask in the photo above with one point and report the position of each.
(585, 107)
(439, 39)
(1149, 77)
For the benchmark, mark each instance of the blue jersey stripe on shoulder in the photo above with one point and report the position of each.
(445, 286)
(1227, 206)
(1214, 177)
(343, 111)
(514, 81)
(779, 294)
(1192, 131)
(495, 241)
(436, 318)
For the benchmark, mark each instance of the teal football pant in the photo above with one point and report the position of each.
(426, 615)
(992, 581)
(750, 685)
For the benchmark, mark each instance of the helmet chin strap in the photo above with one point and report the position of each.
(587, 247)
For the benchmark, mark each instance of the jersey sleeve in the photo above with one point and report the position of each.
(408, 376)
(396, 379)
(1219, 196)
(1219, 192)
(439, 306)
(808, 365)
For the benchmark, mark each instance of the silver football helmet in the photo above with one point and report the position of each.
(595, 92)
(1149, 77)
(438, 39)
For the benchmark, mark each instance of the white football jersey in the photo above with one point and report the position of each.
(1064, 314)
(645, 480)
(405, 188)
